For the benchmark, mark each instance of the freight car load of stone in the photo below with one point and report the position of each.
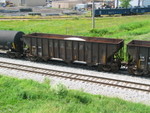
(107, 54)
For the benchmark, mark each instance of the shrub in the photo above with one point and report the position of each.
(132, 26)
(61, 91)
(83, 99)
(76, 18)
(100, 31)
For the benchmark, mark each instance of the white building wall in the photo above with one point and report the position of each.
(132, 3)
(2, 1)
(35, 2)
(15, 2)
(146, 3)
(28, 2)
(64, 4)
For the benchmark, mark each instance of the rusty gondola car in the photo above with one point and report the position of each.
(103, 52)
(138, 57)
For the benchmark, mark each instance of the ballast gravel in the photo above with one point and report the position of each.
(126, 94)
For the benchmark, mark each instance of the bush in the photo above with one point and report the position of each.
(76, 18)
(101, 32)
(84, 99)
(132, 26)
(61, 91)
(79, 97)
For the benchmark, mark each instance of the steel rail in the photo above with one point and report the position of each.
(80, 77)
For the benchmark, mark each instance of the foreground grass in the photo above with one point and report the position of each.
(128, 27)
(27, 96)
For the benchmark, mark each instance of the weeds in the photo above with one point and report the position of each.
(100, 32)
(83, 98)
(132, 26)
(61, 91)
(31, 97)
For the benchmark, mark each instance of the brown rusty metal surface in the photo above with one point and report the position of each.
(64, 37)
(139, 43)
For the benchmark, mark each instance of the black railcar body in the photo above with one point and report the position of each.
(91, 50)
(139, 57)
(105, 53)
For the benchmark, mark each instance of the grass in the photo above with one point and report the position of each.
(23, 96)
(27, 96)
(128, 27)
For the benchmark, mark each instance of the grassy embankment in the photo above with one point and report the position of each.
(128, 28)
(27, 96)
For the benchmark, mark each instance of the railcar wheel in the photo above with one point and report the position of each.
(114, 67)
(146, 73)
(134, 71)
(18, 55)
(130, 70)
(12, 55)
(138, 72)
(34, 59)
(45, 59)
(106, 68)
(100, 67)
(40, 60)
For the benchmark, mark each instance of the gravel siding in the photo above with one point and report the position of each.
(126, 94)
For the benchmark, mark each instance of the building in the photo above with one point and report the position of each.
(146, 3)
(65, 3)
(134, 3)
(2, 1)
(28, 2)
(71, 3)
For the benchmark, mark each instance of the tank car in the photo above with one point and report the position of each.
(103, 52)
(11, 42)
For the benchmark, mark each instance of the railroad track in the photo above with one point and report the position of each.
(35, 18)
(81, 77)
(48, 18)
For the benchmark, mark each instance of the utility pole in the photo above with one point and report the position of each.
(139, 2)
(117, 3)
(93, 15)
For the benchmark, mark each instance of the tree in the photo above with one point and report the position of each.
(125, 3)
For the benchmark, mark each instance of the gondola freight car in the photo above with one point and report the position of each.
(103, 52)
(138, 57)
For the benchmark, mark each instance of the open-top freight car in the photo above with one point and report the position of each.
(103, 52)
(138, 57)
(106, 53)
